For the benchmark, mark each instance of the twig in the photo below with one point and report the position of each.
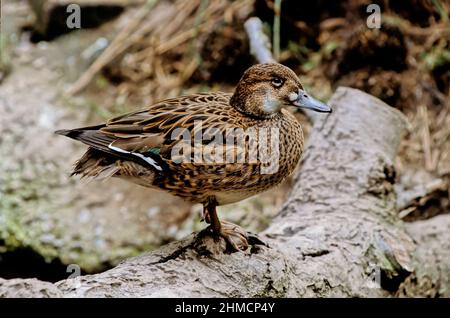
(408, 198)
(259, 42)
(276, 30)
(199, 16)
(180, 38)
(426, 143)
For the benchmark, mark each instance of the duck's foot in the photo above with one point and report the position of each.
(236, 237)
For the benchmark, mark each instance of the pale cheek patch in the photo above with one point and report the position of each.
(293, 96)
(271, 105)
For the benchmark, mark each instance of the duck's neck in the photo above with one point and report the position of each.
(238, 102)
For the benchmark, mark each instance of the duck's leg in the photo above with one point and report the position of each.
(235, 236)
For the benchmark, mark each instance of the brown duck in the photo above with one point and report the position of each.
(212, 148)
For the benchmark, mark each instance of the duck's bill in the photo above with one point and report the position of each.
(307, 101)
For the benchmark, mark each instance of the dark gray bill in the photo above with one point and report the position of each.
(306, 101)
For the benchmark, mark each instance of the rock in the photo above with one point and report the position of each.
(52, 15)
(27, 288)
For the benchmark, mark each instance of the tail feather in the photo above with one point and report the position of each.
(90, 136)
(95, 164)
(94, 138)
(100, 160)
(63, 132)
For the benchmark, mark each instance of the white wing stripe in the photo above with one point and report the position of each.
(147, 159)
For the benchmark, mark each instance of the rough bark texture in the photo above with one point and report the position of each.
(29, 288)
(337, 235)
(431, 260)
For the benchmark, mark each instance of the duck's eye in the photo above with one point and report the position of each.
(277, 82)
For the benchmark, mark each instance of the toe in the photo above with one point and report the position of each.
(235, 244)
(235, 236)
(254, 239)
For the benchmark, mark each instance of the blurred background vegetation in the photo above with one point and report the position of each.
(130, 53)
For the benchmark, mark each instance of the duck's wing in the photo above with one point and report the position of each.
(148, 136)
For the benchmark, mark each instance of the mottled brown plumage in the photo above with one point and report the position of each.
(144, 146)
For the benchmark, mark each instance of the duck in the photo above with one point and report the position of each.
(210, 148)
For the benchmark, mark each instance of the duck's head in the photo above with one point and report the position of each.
(265, 89)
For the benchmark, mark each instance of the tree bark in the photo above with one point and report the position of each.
(431, 277)
(337, 235)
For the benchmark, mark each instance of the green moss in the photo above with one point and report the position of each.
(437, 56)
(19, 195)
(20, 227)
(440, 8)
(5, 56)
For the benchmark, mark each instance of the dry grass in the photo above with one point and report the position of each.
(152, 59)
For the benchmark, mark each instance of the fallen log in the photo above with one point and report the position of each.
(337, 235)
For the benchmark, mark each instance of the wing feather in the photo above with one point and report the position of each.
(145, 135)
